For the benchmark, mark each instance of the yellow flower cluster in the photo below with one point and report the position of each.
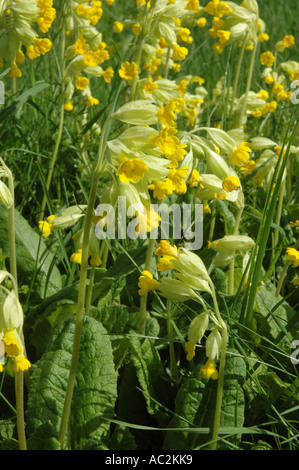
(17, 21)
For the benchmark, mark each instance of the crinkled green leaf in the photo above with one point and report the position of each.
(195, 406)
(95, 389)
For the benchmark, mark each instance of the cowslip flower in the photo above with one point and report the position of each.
(194, 178)
(267, 58)
(288, 41)
(46, 226)
(161, 188)
(147, 283)
(209, 371)
(118, 27)
(179, 53)
(131, 170)
(82, 83)
(76, 257)
(293, 255)
(231, 183)
(128, 70)
(241, 154)
(166, 249)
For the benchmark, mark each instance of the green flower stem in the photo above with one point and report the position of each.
(237, 73)
(60, 128)
(19, 376)
(219, 387)
(138, 60)
(167, 62)
(82, 289)
(277, 219)
(173, 364)
(248, 85)
(231, 282)
(283, 273)
(223, 329)
(143, 298)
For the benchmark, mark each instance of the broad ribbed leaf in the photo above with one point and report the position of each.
(195, 406)
(95, 389)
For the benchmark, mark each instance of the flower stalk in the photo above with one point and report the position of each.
(82, 288)
(19, 376)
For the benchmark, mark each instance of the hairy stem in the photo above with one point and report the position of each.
(82, 290)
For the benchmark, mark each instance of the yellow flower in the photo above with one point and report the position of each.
(192, 5)
(178, 179)
(82, 83)
(206, 208)
(95, 261)
(194, 178)
(263, 95)
(47, 15)
(164, 263)
(42, 46)
(128, 70)
(46, 226)
(14, 72)
(190, 350)
(146, 283)
(92, 101)
(209, 371)
(20, 363)
(179, 53)
(118, 27)
(166, 115)
(161, 188)
(267, 58)
(136, 28)
(293, 255)
(241, 154)
(147, 220)
(107, 74)
(77, 256)
(150, 86)
(80, 46)
(183, 34)
(165, 249)
(262, 37)
(68, 106)
(201, 22)
(131, 170)
(90, 59)
(218, 8)
(248, 167)
(294, 224)
(288, 41)
(231, 183)
(20, 57)
(223, 36)
(12, 346)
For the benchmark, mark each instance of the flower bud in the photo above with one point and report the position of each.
(190, 264)
(139, 112)
(12, 313)
(213, 345)
(193, 282)
(197, 327)
(174, 289)
(230, 243)
(68, 217)
(5, 196)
